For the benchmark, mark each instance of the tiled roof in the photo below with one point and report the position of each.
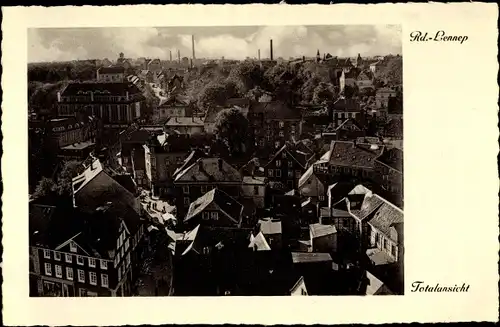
(259, 243)
(319, 230)
(307, 257)
(346, 105)
(111, 70)
(106, 89)
(275, 110)
(269, 227)
(209, 170)
(378, 257)
(369, 205)
(386, 216)
(184, 121)
(349, 155)
(224, 202)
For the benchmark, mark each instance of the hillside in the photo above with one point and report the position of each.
(391, 70)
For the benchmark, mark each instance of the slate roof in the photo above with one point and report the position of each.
(209, 170)
(319, 230)
(392, 158)
(350, 155)
(107, 89)
(229, 206)
(386, 216)
(307, 257)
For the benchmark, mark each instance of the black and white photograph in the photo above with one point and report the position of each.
(215, 161)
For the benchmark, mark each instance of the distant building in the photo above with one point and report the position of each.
(115, 104)
(344, 109)
(383, 95)
(185, 125)
(154, 65)
(364, 81)
(323, 238)
(113, 74)
(174, 106)
(348, 79)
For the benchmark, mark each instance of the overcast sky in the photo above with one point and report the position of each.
(238, 42)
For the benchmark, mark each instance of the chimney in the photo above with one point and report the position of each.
(192, 44)
(303, 58)
(219, 162)
(271, 49)
(258, 54)
(179, 55)
(191, 63)
(200, 165)
(170, 55)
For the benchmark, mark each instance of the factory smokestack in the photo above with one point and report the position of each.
(271, 49)
(192, 45)
(170, 55)
(258, 54)
(179, 55)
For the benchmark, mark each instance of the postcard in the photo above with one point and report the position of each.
(261, 164)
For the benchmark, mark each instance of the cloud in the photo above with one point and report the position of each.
(212, 42)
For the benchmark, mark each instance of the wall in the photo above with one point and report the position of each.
(248, 191)
(325, 243)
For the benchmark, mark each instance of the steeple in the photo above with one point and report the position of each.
(318, 57)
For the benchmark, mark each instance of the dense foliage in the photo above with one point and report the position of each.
(231, 128)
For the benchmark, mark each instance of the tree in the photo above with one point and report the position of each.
(64, 181)
(216, 93)
(246, 76)
(231, 127)
(45, 187)
(323, 92)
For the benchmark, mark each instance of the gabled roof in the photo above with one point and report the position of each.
(79, 182)
(371, 202)
(295, 152)
(259, 243)
(191, 159)
(319, 230)
(209, 170)
(229, 206)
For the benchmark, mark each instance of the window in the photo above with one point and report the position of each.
(278, 163)
(127, 244)
(123, 252)
(297, 173)
(48, 269)
(277, 144)
(255, 190)
(385, 244)
(303, 291)
(81, 276)
(69, 273)
(119, 274)
(58, 271)
(68, 258)
(206, 216)
(72, 247)
(377, 238)
(283, 155)
(289, 183)
(215, 215)
(261, 142)
(57, 256)
(290, 164)
(186, 202)
(282, 124)
(270, 172)
(204, 190)
(185, 189)
(278, 173)
(290, 173)
(92, 278)
(104, 280)
(281, 134)
(79, 260)
(321, 198)
(46, 254)
(92, 262)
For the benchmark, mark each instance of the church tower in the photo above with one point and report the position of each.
(318, 57)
